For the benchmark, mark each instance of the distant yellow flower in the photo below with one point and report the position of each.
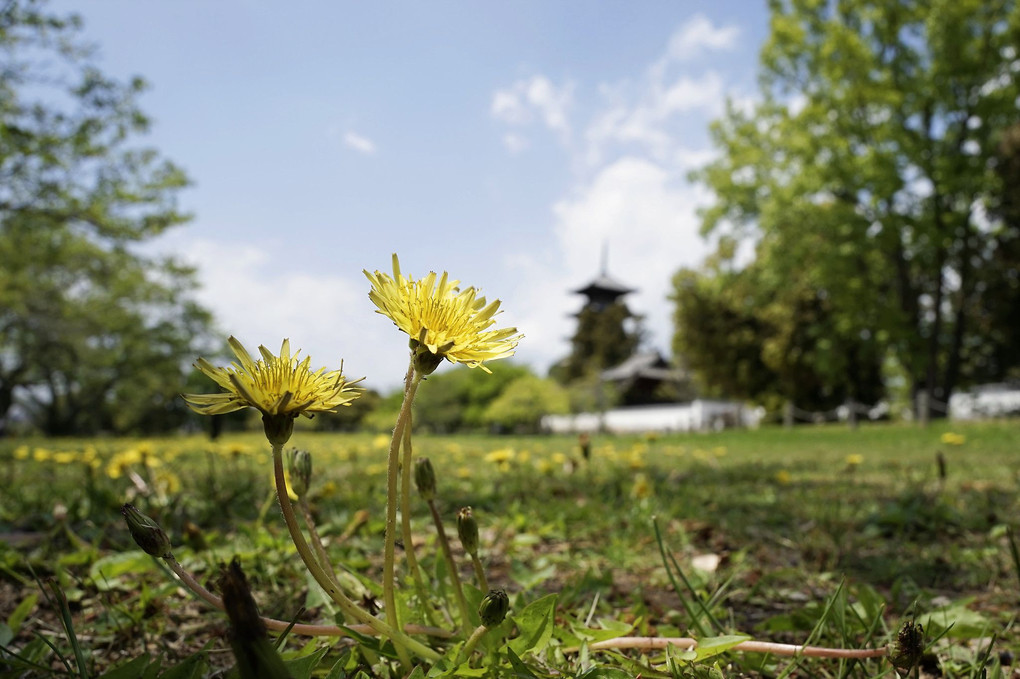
(854, 459)
(783, 477)
(442, 320)
(500, 456)
(642, 487)
(951, 439)
(280, 387)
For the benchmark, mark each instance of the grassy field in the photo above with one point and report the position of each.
(816, 535)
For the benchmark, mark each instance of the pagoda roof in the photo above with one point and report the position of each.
(604, 284)
(644, 364)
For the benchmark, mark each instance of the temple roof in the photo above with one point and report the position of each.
(647, 365)
(604, 285)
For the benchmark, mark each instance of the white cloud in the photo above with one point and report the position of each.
(515, 143)
(630, 192)
(328, 316)
(698, 35)
(645, 216)
(359, 143)
(535, 98)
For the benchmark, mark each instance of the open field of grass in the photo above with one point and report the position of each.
(816, 535)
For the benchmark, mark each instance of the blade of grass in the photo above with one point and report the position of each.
(68, 623)
(816, 631)
(668, 558)
(56, 652)
(1014, 551)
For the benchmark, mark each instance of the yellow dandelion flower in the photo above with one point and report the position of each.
(65, 456)
(22, 452)
(951, 439)
(642, 487)
(783, 477)
(442, 320)
(42, 454)
(854, 459)
(280, 387)
(501, 456)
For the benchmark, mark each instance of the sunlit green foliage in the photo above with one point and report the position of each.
(817, 533)
(93, 334)
(864, 179)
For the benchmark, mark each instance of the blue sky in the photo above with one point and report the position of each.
(502, 142)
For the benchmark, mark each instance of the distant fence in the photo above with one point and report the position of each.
(989, 400)
(699, 415)
(992, 400)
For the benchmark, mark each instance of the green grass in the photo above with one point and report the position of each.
(818, 533)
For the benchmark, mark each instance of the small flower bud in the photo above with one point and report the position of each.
(909, 647)
(278, 428)
(425, 362)
(146, 532)
(493, 608)
(467, 531)
(299, 466)
(425, 479)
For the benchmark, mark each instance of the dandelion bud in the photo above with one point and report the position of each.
(299, 466)
(493, 608)
(909, 647)
(425, 479)
(278, 428)
(146, 532)
(467, 531)
(255, 653)
(425, 362)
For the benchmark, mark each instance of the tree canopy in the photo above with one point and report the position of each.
(94, 334)
(872, 180)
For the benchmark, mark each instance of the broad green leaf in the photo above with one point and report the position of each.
(711, 646)
(521, 671)
(301, 668)
(192, 667)
(132, 669)
(956, 621)
(534, 625)
(606, 673)
(106, 571)
(22, 611)
(339, 671)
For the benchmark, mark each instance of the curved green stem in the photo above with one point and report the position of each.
(295, 628)
(469, 647)
(320, 549)
(407, 462)
(483, 583)
(401, 642)
(392, 474)
(451, 566)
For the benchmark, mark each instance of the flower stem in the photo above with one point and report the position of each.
(296, 628)
(451, 566)
(406, 465)
(750, 646)
(401, 642)
(320, 550)
(392, 474)
(483, 583)
(469, 647)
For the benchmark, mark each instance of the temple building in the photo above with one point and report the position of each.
(640, 377)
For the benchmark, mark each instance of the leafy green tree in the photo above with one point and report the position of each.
(867, 171)
(605, 337)
(521, 405)
(457, 399)
(94, 335)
